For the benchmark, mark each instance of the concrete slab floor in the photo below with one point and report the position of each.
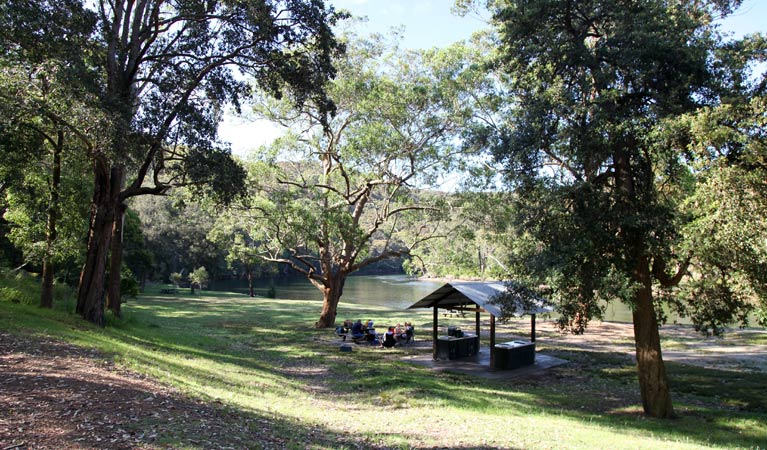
(479, 365)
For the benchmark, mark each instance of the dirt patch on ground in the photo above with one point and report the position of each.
(57, 396)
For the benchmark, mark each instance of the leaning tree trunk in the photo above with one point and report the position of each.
(46, 294)
(653, 381)
(331, 295)
(90, 296)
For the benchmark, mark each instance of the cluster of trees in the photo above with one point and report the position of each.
(133, 90)
(615, 152)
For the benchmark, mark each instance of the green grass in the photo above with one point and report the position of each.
(263, 361)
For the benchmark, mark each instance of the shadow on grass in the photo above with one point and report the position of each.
(600, 390)
(96, 408)
(718, 407)
(197, 342)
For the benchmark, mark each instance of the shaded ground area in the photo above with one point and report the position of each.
(57, 396)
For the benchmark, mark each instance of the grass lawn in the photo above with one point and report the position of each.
(262, 359)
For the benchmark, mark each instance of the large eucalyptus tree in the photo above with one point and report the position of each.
(599, 148)
(169, 67)
(339, 197)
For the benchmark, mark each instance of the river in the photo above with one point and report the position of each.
(393, 291)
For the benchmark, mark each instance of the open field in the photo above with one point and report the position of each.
(227, 371)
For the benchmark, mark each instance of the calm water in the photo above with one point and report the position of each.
(394, 291)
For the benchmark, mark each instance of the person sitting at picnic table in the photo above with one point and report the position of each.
(389, 339)
(358, 331)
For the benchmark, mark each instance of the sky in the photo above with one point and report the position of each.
(427, 24)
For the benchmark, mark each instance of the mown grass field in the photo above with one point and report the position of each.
(262, 359)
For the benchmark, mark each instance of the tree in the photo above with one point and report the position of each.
(354, 191)
(176, 228)
(175, 278)
(599, 170)
(168, 69)
(45, 79)
(477, 245)
(138, 257)
(199, 277)
(243, 252)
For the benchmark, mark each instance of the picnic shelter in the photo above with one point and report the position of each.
(476, 297)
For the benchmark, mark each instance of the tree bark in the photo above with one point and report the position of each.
(90, 296)
(249, 270)
(114, 299)
(331, 295)
(114, 296)
(653, 381)
(46, 294)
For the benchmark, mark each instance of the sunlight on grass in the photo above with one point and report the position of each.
(263, 357)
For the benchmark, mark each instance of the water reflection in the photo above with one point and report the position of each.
(394, 291)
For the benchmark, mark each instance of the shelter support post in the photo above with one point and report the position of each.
(532, 328)
(492, 340)
(477, 322)
(434, 334)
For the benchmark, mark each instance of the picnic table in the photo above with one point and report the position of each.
(169, 291)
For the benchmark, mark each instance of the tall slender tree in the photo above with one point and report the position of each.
(47, 93)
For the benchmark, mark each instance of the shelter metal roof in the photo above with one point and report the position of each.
(455, 294)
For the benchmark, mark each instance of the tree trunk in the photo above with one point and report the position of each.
(90, 296)
(331, 295)
(249, 271)
(46, 294)
(114, 298)
(653, 381)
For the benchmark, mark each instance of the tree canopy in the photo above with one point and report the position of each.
(603, 173)
(354, 190)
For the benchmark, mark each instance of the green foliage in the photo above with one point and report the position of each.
(19, 287)
(22, 287)
(129, 286)
(603, 143)
(176, 278)
(199, 277)
(45, 102)
(175, 229)
(137, 256)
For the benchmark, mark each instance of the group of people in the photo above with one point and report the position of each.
(365, 332)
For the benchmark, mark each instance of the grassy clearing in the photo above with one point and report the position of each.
(261, 359)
